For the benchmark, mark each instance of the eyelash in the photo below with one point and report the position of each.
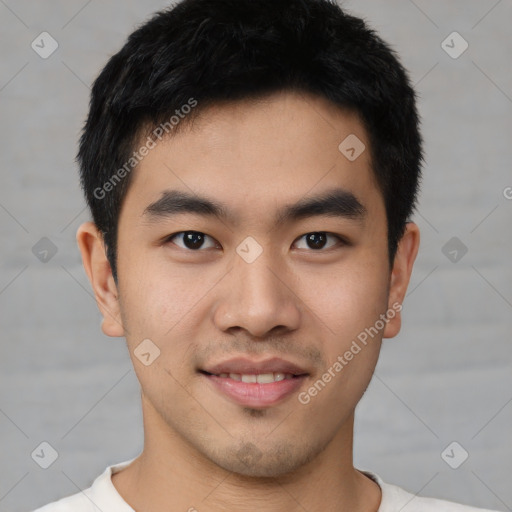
(341, 240)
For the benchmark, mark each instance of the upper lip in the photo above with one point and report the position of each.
(245, 366)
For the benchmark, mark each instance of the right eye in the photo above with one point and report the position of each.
(192, 240)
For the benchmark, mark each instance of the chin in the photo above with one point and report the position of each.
(271, 462)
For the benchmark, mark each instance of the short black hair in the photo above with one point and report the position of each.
(199, 53)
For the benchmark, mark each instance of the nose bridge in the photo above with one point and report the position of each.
(258, 280)
(256, 298)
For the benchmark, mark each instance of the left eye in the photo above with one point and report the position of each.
(192, 240)
(319, 240)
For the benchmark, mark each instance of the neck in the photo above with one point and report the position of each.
(170, 474)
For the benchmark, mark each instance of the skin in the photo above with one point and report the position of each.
(204, 306)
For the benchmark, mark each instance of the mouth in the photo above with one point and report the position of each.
(255, 378)
(255, 385)
(247, 369)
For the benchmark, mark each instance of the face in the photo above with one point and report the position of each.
(250, 245)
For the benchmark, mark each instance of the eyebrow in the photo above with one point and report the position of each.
(336, 202)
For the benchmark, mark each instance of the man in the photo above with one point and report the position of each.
(251, 166)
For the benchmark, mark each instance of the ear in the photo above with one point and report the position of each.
(98, 270)
(400, 275)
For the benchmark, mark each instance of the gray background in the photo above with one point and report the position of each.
(446, 377)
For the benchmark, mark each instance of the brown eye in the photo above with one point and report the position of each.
(316, 240)
(193, 240)
(319, 240)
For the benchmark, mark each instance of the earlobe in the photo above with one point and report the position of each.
(400, 276)
(98, 270)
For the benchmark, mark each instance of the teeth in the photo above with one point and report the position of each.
(262, 378)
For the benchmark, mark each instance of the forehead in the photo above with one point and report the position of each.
(257, 155)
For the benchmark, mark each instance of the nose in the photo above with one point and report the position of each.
(258, 298)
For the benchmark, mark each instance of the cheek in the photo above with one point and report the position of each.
(347, 307)
(348, 298)
(168, 305)
(154, 310)
(156, 295)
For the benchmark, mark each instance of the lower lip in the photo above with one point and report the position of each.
(252, 394)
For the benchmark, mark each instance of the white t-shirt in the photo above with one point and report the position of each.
(102, 496)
